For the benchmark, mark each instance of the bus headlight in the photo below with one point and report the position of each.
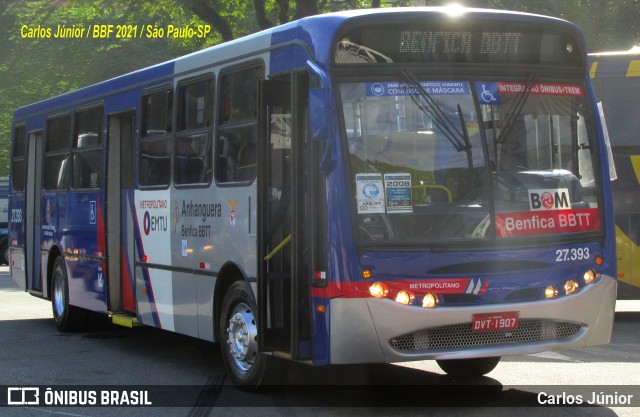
(430, 300)
(570, 287)
(591, 276)
(379, 290)
(550, 292)
(405, 297)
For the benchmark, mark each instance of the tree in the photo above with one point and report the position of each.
(35, 69)
(232, 18)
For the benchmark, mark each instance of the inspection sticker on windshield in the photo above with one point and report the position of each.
(398, 190)
(370, 193)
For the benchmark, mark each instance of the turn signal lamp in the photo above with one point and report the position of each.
(551, 292)
(405, 297)
(570, 287)
(366, 273)
(379, 290)
(430, 300)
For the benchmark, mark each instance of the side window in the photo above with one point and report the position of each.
(17, 159)
(194, 99)
(56, 160)
(157, 113)
(237, 135)
(155, 139)
(87, 149)
(193, 152)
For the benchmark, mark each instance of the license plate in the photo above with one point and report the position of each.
(495, 321)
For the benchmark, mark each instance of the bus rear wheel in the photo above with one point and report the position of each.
(68, 318)
(238, 336)
(474, 367)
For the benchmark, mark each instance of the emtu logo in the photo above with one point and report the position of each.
(549, 199)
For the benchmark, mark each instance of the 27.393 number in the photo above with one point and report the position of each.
(574, 254)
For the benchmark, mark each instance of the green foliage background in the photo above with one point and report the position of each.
(35, 69)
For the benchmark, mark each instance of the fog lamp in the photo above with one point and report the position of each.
(379, 290)
(570, 287)
(430, 300)
(405, 297)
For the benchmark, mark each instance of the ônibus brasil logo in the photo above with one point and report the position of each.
(549, 199)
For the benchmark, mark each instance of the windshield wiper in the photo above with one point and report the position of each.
(516, 107)
(459, 138)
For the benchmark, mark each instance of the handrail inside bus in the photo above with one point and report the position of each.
(424, 187)
(277, 248)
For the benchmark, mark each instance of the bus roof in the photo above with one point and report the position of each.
(314, 32)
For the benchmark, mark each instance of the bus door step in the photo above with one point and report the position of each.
(124, 319)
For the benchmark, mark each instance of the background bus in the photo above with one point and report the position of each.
(615, 77)
(4, 219)
(361, 187)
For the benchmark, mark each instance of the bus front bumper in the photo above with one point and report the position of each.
(368, 330)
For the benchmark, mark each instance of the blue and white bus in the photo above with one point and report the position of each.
(360, 187)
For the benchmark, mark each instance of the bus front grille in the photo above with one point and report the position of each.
(460, 336)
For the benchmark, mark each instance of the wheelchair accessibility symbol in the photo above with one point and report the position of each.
(92, 212)
(488, 93)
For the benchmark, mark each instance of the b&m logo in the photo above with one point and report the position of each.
(549, 199)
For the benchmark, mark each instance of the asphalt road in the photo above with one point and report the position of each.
(184, 376)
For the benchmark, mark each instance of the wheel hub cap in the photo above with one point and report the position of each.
(242, 337)
(58, 295)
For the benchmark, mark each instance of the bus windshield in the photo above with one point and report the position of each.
(427, 167)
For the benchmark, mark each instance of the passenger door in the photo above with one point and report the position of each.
(33, 217)
(119, 204)
(283, 273)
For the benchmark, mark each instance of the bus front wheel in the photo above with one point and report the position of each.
(238, 336)
(474, 367)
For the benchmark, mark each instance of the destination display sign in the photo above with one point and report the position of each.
(465, 43)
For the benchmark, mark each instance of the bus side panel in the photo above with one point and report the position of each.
(185, 307)
(153, 284)
(197, 220)
(204, 292)
(82, 237)
(183, 239)
(155, 298)
(165, 285)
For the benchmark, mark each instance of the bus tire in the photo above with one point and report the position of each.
(473, 367)
(68, 318)
(238, 336)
